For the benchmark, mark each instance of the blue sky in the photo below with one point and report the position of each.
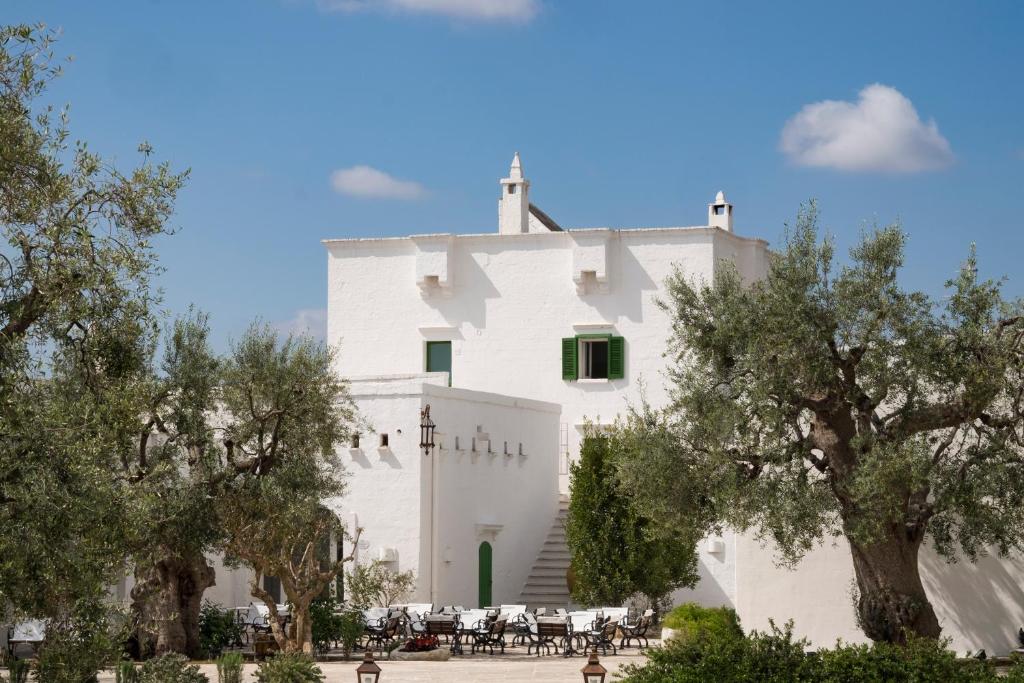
(626, 114)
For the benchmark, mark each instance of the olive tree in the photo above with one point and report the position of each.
(828, 400)
(290, 411)
(76, 260)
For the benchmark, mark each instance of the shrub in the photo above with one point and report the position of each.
(17, 670)
(921, 659)
(229, 668)
(125, 672)
(217, 629)
(79, 644)
(775, 656)
(375, 585)
(351, 627)
(723, 657)
(171, 668)
(330, 627)
(692, 620)
(289, 668)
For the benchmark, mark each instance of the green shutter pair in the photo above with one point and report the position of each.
(616, 355)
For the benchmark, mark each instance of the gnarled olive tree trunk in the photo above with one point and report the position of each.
(891, 601)
(166, 599)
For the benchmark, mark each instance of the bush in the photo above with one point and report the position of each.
(922, 659)
(125, 672)
(289, 668)
(79, 644)
(375, 585)
(692, 620)
(776, 657)
(17, 670)
(217, 629)
(330, 627)
(171, 668)
(229, 668)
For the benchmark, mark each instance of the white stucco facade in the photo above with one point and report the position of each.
(505, 303)
(491, 477)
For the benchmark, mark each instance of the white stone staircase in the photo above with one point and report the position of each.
(546, 586)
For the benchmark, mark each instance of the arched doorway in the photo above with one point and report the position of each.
(484, 557)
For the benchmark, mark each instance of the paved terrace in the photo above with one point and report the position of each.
(508, 668)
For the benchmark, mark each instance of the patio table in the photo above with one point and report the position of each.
(28, 632)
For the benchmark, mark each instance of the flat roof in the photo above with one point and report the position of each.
(706, 229)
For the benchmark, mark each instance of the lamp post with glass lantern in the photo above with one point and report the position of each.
(593, 672)
(368, 671)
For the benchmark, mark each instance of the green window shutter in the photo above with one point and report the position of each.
(616, 358)
(569, 358)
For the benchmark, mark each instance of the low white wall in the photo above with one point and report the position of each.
(509, 501)
(978, 605)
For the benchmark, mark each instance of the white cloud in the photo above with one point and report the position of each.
(311, 322)
(368, 182)
(881, 131)
(473, 10)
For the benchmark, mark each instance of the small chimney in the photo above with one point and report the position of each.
(720, 213)
(514, 203)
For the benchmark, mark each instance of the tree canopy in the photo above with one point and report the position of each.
(827, 400)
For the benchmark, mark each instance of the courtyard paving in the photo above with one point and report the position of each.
(508, 668)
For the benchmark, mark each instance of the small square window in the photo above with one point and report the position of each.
(719, 210)
(594, 358)
(511, 189)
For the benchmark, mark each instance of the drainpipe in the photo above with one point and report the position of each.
(433, 525)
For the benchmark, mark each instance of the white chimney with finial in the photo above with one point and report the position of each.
(720, 213)
(514, 203)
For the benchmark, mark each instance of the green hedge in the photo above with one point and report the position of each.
(776, 656)
(691, 620)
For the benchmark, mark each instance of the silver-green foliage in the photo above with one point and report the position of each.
(289, 668)
(826, 400)
(229, 667)
(171, 668)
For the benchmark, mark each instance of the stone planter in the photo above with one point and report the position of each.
(667, 634)
(441, 654)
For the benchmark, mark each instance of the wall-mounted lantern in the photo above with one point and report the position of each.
(426, 431)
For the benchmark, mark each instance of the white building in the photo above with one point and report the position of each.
(528, 314)
(517, 338)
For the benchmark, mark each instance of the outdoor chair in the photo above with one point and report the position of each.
(602, 635)
(548, 630)
(523, 625)
(490, 634)
(540, 611)
(443, 626)
(636, 632)
(560, 612)
(383, 632)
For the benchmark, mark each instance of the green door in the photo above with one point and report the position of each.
(485, 574)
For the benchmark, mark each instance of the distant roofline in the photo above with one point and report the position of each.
(706, 229)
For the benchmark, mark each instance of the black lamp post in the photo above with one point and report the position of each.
(426, 431)
(593, 672)
(368, 671)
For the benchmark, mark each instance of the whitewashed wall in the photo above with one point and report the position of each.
(443, 506)
(978, 605)
(506, 301)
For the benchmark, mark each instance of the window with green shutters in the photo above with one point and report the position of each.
(593, 356)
